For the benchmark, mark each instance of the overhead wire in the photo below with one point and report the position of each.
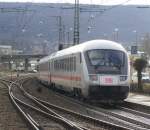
(118, 5)
(22, 22)
(102, 11)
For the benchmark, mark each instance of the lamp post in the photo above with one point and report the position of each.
(105, 36)
(69, 35)
(116, 34)
(136, 37)
(11, 62)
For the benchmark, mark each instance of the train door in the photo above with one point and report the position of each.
(76, 71)
(39, 70)
(72, 71)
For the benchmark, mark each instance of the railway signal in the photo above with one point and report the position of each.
(133, 49)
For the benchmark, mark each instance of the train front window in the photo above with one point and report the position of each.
(106, 59)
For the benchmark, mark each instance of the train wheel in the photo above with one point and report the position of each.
(53, 86)
(77, 93)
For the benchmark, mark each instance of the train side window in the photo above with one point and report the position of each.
(54, 65)
(63, 64)
(74, 58)
(51, 65)
(71, 64)
(58, 64)
(80, 58)
(68, 64)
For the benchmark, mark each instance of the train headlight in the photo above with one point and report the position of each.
(123, 78)
(93, 77)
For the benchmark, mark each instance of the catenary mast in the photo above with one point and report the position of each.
(76, 37)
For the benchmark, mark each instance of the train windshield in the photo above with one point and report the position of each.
(106, 58)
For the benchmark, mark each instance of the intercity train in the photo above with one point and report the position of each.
(95, 70)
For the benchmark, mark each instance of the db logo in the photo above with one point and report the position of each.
(108, 80)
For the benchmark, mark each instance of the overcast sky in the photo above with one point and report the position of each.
(103, 2)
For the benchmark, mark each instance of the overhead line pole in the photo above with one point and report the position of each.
(76, 37)
(60, 35)
(60, 29)
(60, 32)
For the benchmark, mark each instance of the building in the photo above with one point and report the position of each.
(15, 52)
(5, 50)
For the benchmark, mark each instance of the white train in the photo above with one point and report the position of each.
(97, 69)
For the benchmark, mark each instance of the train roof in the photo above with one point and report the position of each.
(85, 46)
(90, 45)
(43, 60)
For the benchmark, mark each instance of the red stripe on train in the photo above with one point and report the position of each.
(75, 78)
(53, 77)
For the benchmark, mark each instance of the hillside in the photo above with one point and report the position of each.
(36, 24)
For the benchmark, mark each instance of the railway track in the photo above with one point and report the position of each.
(137, 118)
(67, 118)
(127, 117)
(136, 106)
(124, 116)
(25, 108)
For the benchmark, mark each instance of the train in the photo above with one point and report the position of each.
(95, 70)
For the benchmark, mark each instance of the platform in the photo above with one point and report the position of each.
(139, 99)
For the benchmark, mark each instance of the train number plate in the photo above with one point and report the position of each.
(108, 80)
